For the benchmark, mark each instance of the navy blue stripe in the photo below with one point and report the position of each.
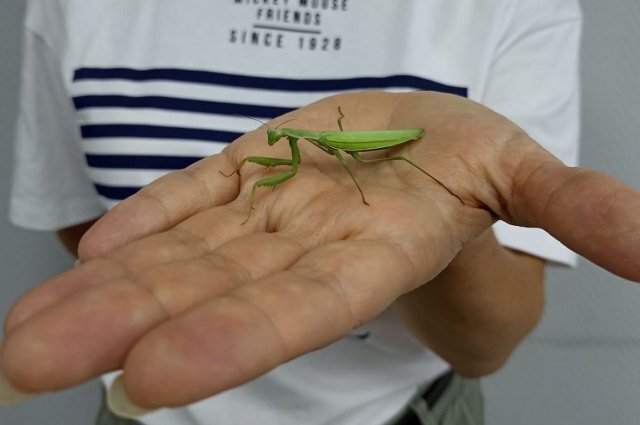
(266, 83)
(178, 104)
(116, 193)
(150, 162)
(92, 131)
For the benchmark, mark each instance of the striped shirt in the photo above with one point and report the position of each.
(137, 124)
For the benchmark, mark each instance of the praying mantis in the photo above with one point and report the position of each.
(333, 143)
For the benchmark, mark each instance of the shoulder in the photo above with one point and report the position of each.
(43, 15)
(52, 19)
(46, 20)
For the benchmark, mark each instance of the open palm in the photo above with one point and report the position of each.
(174, 288)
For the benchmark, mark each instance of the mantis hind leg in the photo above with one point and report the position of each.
(357, 157)
(338, 155)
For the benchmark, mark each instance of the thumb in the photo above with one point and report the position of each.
(595, 215)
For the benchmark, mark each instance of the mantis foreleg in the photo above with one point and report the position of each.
(267, 161)
(260, 160)
(270, 162)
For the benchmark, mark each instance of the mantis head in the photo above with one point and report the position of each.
(273, 135)
(276, 133)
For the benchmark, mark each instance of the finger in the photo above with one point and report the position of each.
(8, 393)
(595, 215)
(191, 239)
(60, 287)
(97, 326)
(161, 205)
(232, 339)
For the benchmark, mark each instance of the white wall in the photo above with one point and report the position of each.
(581, 366)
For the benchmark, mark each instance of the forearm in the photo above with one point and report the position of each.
(479, 308)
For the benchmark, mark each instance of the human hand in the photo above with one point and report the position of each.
(174, 289)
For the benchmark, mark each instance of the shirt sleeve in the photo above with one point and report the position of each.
(51, 189)
(534, 81)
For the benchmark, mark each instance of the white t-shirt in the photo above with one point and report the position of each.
(116, 93)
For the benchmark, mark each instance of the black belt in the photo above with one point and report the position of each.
(431, 396)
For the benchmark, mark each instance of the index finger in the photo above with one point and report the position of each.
(161, 205)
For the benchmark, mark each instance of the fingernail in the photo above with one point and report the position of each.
(10, 394)
(120, 404)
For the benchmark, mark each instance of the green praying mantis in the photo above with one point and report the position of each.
(334, 143)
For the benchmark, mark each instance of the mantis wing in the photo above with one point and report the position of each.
(359, 141)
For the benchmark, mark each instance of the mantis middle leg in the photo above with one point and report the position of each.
(338, 155)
